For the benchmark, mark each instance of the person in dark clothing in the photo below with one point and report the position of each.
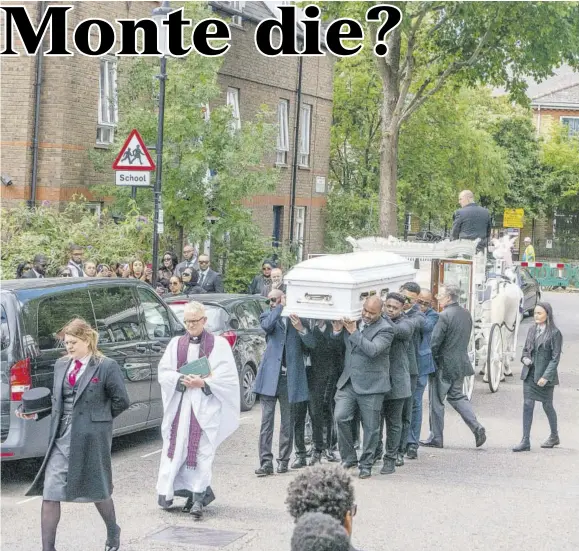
(38, 270)
(261, 284)
(322, 359)
(411, 291)
(449, 344)
(471, 221)
(167, 270)
(190, 279)
(22, 268)
(324, 489)
(541, 355)
(282, 378)
(319, 532)
(395, 399)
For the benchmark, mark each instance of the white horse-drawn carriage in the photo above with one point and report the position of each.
(494, 300)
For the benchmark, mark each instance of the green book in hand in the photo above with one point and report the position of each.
(199, 367)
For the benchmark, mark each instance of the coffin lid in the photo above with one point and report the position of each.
(351, 268)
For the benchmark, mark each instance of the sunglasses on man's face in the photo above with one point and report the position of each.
(204, 262)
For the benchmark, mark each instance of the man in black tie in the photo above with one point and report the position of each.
(38, 268)
(209, 280)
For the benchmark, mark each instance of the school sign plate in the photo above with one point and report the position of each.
(133, 164)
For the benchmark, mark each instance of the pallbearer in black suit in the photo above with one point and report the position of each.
(364, 381)
(395, 400)
(89, 392)
(540, 359)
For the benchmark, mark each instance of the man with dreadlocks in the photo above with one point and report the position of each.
(199, 413)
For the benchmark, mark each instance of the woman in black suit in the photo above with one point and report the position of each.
(540, 359)
(88, 393)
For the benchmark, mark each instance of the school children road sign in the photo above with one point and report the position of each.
(133, 164)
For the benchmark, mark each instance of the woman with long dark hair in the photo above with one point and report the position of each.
(540, 359)
(167, 269)
(89, 392)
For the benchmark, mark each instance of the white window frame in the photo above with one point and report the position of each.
(305, 135)
(107, 118)
(282, 132)
(572, 131)
(299, 230)
(237, 20)
(233, 101)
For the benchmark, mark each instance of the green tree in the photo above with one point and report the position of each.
(44, 229)
(468, 43)
(208, 167)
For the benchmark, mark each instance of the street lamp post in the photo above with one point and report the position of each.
(159, 15)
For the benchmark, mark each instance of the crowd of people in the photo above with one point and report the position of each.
(193, 275)
(372, 373)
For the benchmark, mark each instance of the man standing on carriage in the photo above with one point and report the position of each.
(471, 221)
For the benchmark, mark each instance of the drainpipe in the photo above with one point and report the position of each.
(539, 121)
(296, 151)
(37, 96)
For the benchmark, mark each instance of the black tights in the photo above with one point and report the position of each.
(528, 408)
(50, 517)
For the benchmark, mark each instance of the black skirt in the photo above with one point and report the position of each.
(532, 391)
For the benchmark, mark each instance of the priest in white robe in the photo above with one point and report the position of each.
(199, 413)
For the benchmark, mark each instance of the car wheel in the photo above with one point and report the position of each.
(246, 380)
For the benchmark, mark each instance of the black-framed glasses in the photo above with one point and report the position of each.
(423, 302)
(204, 262)
(167, 258)
(193, 322)
(187, 274)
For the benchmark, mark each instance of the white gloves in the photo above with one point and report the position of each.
(527, 361)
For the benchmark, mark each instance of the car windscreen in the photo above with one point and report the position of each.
(216, 316)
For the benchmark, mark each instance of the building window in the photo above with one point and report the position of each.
(282, 132)
(300, 231)
(277, 226)
(233, 101)
(108, 115)
(572, 123)
(305, 127)
(237, 19)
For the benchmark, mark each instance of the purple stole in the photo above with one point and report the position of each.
(195, 431)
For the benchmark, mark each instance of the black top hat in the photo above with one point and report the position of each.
(36, 400)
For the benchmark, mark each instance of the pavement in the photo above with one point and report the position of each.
(459, 497)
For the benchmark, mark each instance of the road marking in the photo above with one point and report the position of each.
(152, 453)
(27, 500)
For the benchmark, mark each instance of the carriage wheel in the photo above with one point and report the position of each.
(468, 383)
(495, 357)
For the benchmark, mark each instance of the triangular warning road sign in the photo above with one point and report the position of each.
(134, 155)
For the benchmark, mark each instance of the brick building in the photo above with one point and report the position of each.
(75, 116)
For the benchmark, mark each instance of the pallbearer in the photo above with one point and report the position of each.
(199, 411)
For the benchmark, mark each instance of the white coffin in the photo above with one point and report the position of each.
(333, 287)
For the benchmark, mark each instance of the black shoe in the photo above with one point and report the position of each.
(330, 456)
(524, 446)
(399, 460)
(480, 436)
(265, 470)
(412, 452)
(316, 458)
(114, 543)
(349, 465)
(365, 473)
(282, 467)
(430, 444)
(551, 442)
(388, 467)
(299, 463)
(187, 506)
(197, 510)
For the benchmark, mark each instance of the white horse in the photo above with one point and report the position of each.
(501, 304)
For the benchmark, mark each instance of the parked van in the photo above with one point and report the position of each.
(134, 327)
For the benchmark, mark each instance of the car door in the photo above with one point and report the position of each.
(121, 338)
(159, 327)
